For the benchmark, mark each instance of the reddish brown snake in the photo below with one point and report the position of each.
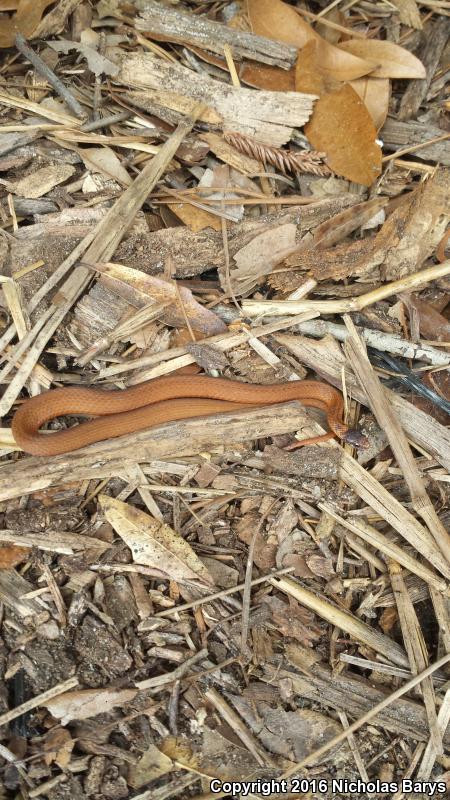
(162, 400)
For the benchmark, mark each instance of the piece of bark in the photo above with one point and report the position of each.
(385, 342)
(171, 25)
(173, 440)
(269, 117)
(193, 253)
(13, 589)
(412, 232)
(27, 208)
(409, 236)
(12, 141)
(357, 696)
(62, 542)
(436, 35)
(396, 135)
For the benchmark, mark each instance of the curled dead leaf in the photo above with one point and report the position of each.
(197, 219)
(392, 60)
(85, 703)
(177, 302)
(342, 127)
(277, 20)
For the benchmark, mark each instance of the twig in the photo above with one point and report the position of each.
(379, 340)
(247, 592)
(414, 147)
(104, 122)
(42, 68)
(279, 308)
(309, 161)
(223, 341)
(175, 675)
(40, 111)
(429, 757)
(217, 595)
(416, 648)
(237, 726)
(354, 747)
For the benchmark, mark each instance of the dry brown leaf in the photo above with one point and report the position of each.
(274, 79)
(11, 555)
(58, 746)
(277, 20)
(152, 764)
(197, 219)
(153, 543)
(343, 224)
(139, 289)
(105, 161)
(375, 94)
(179, 749)
(309, 76)
(342, 127)
(432, 324)
(25, 21)
(332, 35)
(85, 703)
(393, 61)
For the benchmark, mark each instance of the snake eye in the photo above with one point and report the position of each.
(357, 439)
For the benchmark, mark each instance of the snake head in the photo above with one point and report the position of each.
(356, 439)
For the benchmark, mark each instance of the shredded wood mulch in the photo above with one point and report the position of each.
(257, 191)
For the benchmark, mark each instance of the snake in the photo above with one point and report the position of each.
(165, 399)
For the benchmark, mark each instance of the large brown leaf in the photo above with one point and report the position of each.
(277, 20)
(375, 94)
(342, 127)
(392, 60)
(25, 20)
(261, 76)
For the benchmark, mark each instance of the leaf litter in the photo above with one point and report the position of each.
(257, 191)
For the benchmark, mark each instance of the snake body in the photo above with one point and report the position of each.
(154, 402)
